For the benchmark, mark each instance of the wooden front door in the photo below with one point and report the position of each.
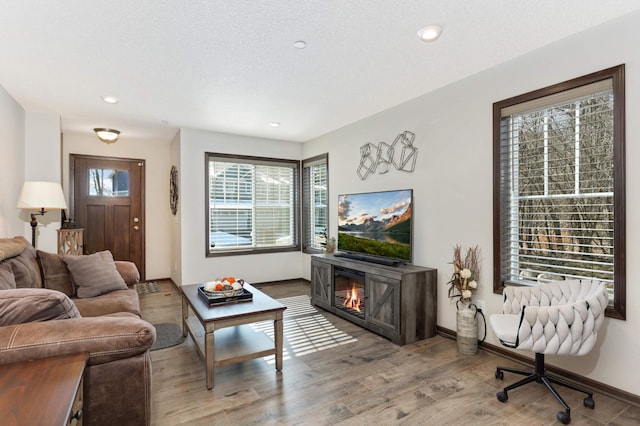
(108, 202)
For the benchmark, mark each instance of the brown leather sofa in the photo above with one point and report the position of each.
(117, 379)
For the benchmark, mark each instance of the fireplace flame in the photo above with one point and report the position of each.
(352, 300)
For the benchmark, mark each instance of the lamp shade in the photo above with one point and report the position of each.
(41, 195)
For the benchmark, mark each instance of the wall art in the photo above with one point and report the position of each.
(401, 154)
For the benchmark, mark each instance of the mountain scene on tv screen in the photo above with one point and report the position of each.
(376, 223)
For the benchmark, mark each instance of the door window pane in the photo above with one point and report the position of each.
(108, 183)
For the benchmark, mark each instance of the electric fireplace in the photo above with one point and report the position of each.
(348, 292)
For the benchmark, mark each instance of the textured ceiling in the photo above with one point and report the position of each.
(230, 65)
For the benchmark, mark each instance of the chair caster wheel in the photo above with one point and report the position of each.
(589, 403)
(564, 418)
(499, 375)
(502, 396)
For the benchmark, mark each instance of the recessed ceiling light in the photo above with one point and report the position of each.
(300, 44)
(430, 33)
(274, 124)
(110, 99)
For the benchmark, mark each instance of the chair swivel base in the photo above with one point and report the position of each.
(539, 376)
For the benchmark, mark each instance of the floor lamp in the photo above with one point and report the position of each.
(40, 196)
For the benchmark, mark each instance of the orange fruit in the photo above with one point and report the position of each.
(219, 287)
(231, 280)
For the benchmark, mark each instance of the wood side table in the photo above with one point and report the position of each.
(45, 391)
(70, 241)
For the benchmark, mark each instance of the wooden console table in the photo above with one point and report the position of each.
(45, 391)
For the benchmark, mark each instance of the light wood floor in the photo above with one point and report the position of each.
(338, 373)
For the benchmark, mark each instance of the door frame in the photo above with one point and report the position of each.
(141, 163)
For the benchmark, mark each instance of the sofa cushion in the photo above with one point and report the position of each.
(115, 302)
(94, 274)
(22, 305)
(10, 247)
(128, 271)
(7, 280)
(55, 274)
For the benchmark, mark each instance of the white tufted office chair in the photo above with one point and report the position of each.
(560, 318)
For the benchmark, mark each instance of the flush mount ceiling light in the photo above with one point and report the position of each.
(110, 99)
(274, 124)
(430, 33)
(300, 44)
(107, 135)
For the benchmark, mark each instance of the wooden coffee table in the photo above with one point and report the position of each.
(236, 344)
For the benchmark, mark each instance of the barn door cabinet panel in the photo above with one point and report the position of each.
(383, 302)
(321, 277)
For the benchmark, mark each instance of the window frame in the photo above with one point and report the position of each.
(306, 203)
(616, 74)
(246, 159)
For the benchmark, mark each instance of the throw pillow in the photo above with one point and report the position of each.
(94, 274)
(23, 271)
(23, 305)
(7, 280)
(55, 273)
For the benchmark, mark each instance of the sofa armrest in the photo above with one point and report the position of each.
(129, 272)
(106, 339)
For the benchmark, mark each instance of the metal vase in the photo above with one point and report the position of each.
(467, 328)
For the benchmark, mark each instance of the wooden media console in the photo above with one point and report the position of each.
(397, 302)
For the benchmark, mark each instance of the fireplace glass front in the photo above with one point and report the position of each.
(349, 291)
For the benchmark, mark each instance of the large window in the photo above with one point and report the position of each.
(559, 185)
(315, 184)
(252, 204)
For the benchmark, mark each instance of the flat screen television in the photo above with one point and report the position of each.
(376, 226)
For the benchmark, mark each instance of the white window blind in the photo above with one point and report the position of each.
(557, 187)
(252, 204)
(315, 202)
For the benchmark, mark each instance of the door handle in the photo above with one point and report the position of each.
(136, 227)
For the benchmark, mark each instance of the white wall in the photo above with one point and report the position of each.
(176, 221)
(453, 179)
(12, 118)
(157, 213)
(42, 163)
(195, 266)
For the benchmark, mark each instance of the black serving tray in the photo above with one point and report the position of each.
(245, 296)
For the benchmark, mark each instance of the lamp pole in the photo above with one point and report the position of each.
(34, 225)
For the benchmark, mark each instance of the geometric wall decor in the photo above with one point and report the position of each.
(401, 154)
